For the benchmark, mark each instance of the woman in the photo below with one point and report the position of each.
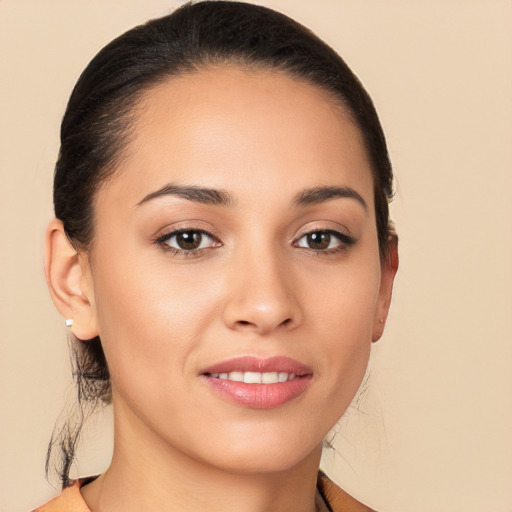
(222, 253)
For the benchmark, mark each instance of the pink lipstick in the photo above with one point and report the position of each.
(258, 383)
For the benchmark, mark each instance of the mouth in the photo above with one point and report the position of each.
(255, 377)
(258, 383)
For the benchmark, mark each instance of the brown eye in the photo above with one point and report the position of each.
(326, 240)
(318, 240)
(188, 240)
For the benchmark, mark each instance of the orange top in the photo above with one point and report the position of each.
(337, 499)
(330, 498)
(70, 500)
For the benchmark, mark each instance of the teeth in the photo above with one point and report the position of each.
(236, 376)
(269, 378)
(252, 377)
(255, 377)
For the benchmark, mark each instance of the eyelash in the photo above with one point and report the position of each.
(162, 241)
(345, 241)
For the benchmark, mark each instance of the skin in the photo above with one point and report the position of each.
(255, 288)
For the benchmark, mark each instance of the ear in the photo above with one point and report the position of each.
(70, 282)
(389, 268)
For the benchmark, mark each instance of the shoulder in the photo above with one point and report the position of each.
(70, 500)
(336, 498)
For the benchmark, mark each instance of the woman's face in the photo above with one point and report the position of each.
(237, 241)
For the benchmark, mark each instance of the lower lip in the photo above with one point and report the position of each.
(259, 396)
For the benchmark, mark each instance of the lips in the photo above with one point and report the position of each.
(254, 364)
(258, 383)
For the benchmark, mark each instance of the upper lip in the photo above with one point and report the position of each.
(262, 365)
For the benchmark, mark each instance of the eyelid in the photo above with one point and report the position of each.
(186, 225)
(332, 227)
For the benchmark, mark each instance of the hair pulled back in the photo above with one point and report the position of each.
(98, 121)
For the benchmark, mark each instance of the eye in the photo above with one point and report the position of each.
(324, 240)
(187, 240)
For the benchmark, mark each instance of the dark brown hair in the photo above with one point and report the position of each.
(97, 126)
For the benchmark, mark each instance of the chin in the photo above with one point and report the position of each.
(262, 455)
(269, 463)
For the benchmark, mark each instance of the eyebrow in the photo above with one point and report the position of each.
(217, 197)
(192, 193)
(318, 195)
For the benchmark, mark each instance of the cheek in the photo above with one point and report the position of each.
(151, 319)
(345, 298)
(148, 313)
(343, 315)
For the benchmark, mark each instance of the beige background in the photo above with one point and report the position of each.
(434, 431)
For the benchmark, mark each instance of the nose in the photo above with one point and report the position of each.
(262, 295)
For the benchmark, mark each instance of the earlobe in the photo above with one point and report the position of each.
(69, 282)
(388, 272)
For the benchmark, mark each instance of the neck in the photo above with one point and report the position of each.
(147, 474)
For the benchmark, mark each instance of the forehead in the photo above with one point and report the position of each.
(242, 130)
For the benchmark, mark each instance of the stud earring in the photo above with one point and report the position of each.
(381, 320)
(69, 322)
